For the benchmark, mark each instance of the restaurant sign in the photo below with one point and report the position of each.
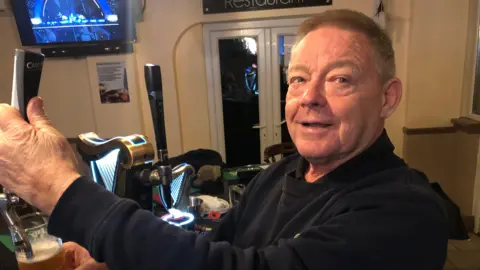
(224, 6)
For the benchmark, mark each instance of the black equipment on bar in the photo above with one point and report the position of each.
(153, 81)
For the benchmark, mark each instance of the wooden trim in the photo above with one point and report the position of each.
(463, 124)
(431, 130)
(466, 125)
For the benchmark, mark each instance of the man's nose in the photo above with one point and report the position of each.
(314, 96)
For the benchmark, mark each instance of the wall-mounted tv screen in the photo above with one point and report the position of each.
(51, 22)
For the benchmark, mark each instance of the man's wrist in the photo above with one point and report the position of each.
(55, 192)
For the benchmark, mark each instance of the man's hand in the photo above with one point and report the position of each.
(36, 161)
(78, 258)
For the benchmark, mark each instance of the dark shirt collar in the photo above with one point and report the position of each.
(378, 157)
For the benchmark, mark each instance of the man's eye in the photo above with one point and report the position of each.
(341, 80)
(297, 80)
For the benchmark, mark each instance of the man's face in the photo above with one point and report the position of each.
(335, 97)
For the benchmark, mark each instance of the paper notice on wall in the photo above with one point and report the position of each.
(113, 82)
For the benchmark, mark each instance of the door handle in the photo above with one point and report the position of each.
(258, 126)
(281, 123)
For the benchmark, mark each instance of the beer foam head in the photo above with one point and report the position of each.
(42, 250)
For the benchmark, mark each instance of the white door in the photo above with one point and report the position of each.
(245, 63)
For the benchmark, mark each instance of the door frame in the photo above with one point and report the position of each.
(215, 106)
(275, 81)
(217, 103)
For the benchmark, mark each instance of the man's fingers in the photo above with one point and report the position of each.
(70, 246)
(36, 114)
(92, 265)
(9, 116)
(80, 254)
(69, 259)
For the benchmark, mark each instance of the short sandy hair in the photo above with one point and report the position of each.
(354, 21)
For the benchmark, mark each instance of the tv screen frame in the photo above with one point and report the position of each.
(126, 18)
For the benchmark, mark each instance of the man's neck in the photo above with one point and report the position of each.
(319, 168)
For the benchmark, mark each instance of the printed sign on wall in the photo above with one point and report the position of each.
(113, 82)
(224, 6)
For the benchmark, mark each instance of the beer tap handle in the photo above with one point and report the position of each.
(162, 175)
(26, 82)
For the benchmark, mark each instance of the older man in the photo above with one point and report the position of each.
(345, 202)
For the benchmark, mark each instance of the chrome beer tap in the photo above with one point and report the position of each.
(159, 175)
(8, 204)
(163, 176)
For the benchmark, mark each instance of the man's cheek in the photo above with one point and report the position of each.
(292, 101)
(291, 108)
(346, 107)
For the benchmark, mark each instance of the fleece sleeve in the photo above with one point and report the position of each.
(117, 232)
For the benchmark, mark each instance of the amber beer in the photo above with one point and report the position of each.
(49, 255)
(47, 250)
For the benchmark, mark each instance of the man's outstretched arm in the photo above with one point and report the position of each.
(117, 232)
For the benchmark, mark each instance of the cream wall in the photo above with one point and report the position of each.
(436, 58)
(70, 91)
(65, 85)
(188, 124)
(121, 119)
(6, 47)
(191, 76)
(441, 58)
(185, 92)
(398, 26)
(430, 42)
(429, 62)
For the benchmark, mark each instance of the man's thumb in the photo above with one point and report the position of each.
(36, 113)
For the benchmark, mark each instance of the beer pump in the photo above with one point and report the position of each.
(173, 185)
(174, 192)
(114, 164)
(26, 82)
(124, 165)
(153, 81)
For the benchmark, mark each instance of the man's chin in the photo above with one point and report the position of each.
(317, 155)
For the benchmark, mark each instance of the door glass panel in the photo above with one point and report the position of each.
(239, 82)
(285, 44)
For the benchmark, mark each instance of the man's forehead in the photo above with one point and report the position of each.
(331, 42)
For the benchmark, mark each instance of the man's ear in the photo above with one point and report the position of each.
(392, 95)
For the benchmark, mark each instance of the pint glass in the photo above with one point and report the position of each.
(47, 249)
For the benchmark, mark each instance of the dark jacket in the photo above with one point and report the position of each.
(373, 212)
